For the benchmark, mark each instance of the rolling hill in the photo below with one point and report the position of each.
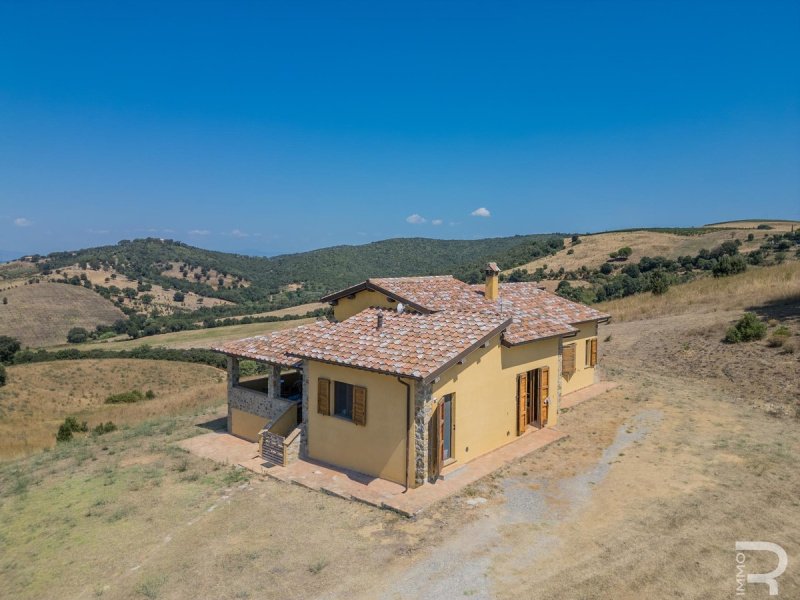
(41, 314)
(303, 277)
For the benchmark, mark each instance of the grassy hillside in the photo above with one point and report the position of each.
(304, 276)
(41, 314)
(194, 338)
(38, 397)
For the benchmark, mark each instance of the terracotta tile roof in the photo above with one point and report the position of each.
(434, 293)
(273, 347)
(406, 344)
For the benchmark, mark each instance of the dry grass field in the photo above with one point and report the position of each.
(41, 314)
(777, 226)
(39, 396)
(195, 338)
(658, 478)
(594, 249)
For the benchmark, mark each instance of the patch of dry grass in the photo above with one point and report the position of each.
(194, 338)
(756, 286)
(594, 249)
(39, 396)
(41, 314)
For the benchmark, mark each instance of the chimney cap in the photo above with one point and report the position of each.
(492, 268)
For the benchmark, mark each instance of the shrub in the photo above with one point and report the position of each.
(104, 428)
(2, 375)
(764, 226)
(729, 265)
(750, 237)
(571, 251)
(606, 269)
(150, 394)
(125, 397)
(5, 300)
(8, 347)
(68, 427)
(659, 283)
(178, 297)
(77, 335)
(746, 329)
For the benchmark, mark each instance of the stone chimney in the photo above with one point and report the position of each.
(380, 320)
(492, 290)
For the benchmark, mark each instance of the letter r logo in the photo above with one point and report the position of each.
(768, 578)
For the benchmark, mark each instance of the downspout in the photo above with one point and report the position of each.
(408, 424)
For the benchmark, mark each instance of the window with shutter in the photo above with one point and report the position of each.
(324, 396)
(360, 405)
(568, 360)
(594, 352)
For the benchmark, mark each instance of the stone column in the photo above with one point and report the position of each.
(274, 383)
(304, 423)
(422, 415)
(233, 380)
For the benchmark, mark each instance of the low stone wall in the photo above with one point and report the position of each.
(256, 403)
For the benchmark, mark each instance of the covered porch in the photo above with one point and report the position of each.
(265, 406)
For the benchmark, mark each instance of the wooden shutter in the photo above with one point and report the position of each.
(522, 403)
(594, 352)
(435, 443)
(359, 405)
(544, 393)
(568, 360)
(324, 396)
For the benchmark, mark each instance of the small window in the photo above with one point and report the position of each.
(343, 400)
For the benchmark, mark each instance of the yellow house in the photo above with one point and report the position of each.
(413, 374)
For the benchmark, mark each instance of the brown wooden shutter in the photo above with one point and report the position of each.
(435, 443)
(324, 396)
(359, 405)
(594, 351)
(522, 403)
(544, 393)
(568, 360)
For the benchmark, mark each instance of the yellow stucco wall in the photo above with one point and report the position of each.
(485, 412)
(246, 425)
(377, 449)
(583, 376)
(347, 307)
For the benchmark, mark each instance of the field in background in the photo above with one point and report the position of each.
(775, 284)
(39, 396)
(594, 249)
(41, 314)
(194, 338)
(777, 225)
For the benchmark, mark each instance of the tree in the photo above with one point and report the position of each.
(146, 298)
(625, 252)
(77, 335)
(5, 300)
(178, 296)
(8, 347)
(606, 269)
(729, 265)
(659, 283)
(2, 375)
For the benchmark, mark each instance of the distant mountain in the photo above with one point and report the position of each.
(304, 276)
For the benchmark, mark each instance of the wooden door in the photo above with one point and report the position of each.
(522, 403)
(544, 394)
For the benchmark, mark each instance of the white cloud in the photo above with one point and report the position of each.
(415, 219)
(238, 233)
(22, 222)
(199, 232)
(437, 222)
(481, 212)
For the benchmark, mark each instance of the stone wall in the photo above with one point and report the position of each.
(423, 408)
(256, 403)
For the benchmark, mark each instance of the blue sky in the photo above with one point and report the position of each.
(279, 127)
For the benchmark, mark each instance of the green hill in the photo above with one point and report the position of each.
(304, 276)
